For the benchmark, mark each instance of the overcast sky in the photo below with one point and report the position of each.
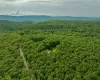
(51, 7)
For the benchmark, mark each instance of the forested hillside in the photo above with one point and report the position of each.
(51, 50)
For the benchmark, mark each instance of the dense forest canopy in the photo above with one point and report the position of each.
(53, 50)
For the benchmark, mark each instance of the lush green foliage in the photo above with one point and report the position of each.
(54, 50)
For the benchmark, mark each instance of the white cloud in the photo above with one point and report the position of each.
(24, 1)
(54, 7)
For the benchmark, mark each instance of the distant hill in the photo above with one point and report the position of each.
(38, 18)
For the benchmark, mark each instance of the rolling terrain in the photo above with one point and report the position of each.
(50, 50)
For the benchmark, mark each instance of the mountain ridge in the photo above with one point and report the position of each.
(39, 18)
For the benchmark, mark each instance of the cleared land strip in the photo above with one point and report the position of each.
(25, 62)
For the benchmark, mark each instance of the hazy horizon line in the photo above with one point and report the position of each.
(48, 15)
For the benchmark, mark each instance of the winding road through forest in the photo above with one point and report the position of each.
(26, 63)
